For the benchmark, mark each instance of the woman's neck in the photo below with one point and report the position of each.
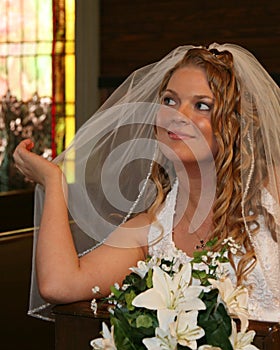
(196, 194)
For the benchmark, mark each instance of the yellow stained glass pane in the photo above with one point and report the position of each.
(70, 129)
(69, 47)
(70, 19)
(70, 109)
(69, 165)
(70, 78)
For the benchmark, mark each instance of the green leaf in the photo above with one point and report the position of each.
(124, 336)
(144, 321)
(215, 321)
(199, 274)
(132, 279)
(198, 255)
(140, 285)
(202, 276)
(129, 298)
(126, 331)
(149, 279)
(223, 259)
(212, 242)
(116, 291)
(120, 335)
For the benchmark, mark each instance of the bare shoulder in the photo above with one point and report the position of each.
(139, 221)
(133, 233)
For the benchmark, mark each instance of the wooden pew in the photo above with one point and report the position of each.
(76, 326)
(17, 329)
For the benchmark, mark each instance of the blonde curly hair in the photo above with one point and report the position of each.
(230, 129)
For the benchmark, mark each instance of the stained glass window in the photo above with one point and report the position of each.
(37, 80)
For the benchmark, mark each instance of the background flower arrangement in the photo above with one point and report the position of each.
(20, 120)
(168, 303)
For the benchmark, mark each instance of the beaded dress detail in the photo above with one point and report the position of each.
(264, 298)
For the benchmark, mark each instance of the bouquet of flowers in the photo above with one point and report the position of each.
(170, 303)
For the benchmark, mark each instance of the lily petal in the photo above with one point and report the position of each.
(241, 340)
(150, 299)
(165, 317)
(152, 343)
(162, 282)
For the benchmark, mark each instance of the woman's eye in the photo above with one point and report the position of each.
(203, 106)
(168, 101)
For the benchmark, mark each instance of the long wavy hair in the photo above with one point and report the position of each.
(230, 129)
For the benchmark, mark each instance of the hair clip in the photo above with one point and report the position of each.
(215, 52)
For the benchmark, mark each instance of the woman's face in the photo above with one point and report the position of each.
(185, 127)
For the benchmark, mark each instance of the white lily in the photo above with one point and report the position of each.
(141, 269)
(236, 299)
(163, 338)
(107, 342)
(242, 340)
(174, 330)
(186, 330)
(173, 293)
(208, 347)
(162, 341)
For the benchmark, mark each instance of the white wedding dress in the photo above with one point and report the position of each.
(264, 299)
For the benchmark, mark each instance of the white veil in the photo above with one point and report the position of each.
(109, 163)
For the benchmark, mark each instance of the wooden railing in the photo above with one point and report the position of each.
(76, 326)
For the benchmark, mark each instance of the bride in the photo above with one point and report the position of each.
(187, 149)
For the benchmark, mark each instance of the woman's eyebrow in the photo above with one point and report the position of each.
(195, 96)
(169, 90)
(204, 96)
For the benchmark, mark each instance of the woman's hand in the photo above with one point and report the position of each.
(34, 167)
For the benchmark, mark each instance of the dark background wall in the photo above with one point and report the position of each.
(135, 33)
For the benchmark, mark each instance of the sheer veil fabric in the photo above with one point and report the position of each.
(107, 167)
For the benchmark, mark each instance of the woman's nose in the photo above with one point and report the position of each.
(185, 110)
(183, 115)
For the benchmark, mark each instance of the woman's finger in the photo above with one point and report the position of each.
(25, 145)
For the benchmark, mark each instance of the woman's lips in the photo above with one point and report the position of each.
(177, 135)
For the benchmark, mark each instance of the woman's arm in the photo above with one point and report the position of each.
(62, 276)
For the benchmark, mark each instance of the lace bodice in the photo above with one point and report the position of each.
(264, 299)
